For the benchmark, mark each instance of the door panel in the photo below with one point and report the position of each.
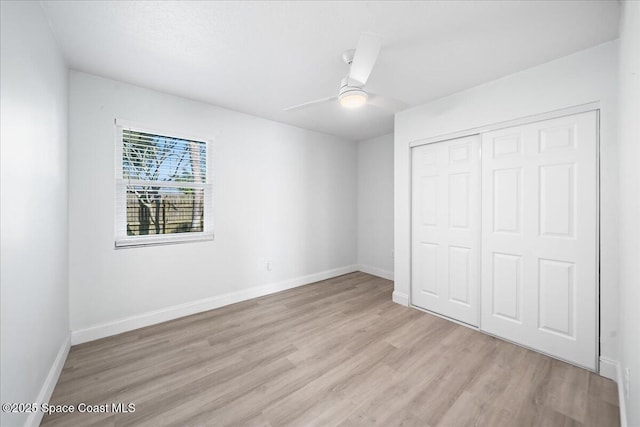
(507, 287)
(429, 200)
(459, 275)
(557, 304)
(539, 236)
(507, 207)
(459, 200)
(427, 265)
(557, 200)
(445, 270)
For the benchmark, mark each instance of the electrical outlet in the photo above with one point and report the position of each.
(269, 266)
(627, 382)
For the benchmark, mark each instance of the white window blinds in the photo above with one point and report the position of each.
(163, 188)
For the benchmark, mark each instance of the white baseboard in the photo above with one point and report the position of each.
(608, 368)
(49, 384)
(621, 400)
(158, 316)
(400, 298)
(385, 274)
(612, 369)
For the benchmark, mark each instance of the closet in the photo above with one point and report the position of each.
(504, 234)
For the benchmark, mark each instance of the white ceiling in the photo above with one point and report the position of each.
(261, 57)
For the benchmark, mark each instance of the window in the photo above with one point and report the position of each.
(163, 188)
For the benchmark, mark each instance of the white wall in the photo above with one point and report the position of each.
(629, 226)
(281, 194)
(586, 76)
(33, 266)
(375, 205)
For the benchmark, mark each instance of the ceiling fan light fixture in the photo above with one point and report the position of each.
(354, 98)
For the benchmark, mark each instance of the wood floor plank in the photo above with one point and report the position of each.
(334, 353)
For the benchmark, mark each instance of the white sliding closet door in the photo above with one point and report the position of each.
(445, 260)
(539, 236)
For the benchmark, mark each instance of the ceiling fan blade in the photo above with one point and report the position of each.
(312, 103)
(365, 57)
(385, 103)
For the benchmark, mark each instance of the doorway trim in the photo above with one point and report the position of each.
(582, 108)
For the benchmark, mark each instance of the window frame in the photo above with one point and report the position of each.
(123, 240)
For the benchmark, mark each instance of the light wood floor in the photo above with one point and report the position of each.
(337, 352)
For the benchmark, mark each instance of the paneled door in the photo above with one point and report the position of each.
(539, 236)
(445, 256)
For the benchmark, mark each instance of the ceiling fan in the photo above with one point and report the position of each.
(352, 93)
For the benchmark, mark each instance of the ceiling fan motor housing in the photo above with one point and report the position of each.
(352, 93)
(351, 90)
(349, 84)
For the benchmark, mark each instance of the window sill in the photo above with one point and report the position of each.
(133, 242)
